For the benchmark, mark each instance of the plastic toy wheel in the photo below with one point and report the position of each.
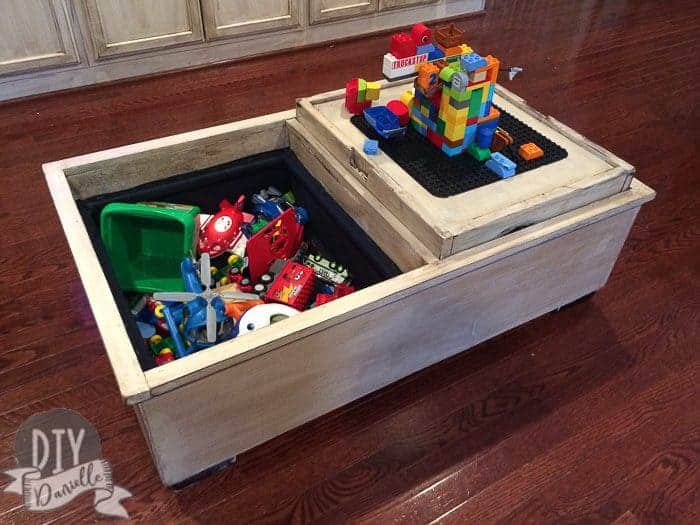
(158, 312)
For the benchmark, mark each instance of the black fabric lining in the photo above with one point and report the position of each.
(330, 231)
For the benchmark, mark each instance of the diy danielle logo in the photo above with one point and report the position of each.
(58, 455)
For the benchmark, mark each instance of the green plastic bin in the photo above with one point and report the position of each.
(147, 241)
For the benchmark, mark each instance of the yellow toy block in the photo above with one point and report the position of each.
(452, 114)
(466, 49)
(407, 97)
(425, 111)
(455, 132)
(373, 89)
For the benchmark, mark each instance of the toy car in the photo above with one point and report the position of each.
(325, 270)
(384, 121)
(269, 204)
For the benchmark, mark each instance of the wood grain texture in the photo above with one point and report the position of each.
(583, 415)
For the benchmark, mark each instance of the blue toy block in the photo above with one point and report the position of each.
(427, 48)
(371, 147)
(484, 137)
(472, 62)
(436, 54)
(501, 165)
(470, 135)
(452, 152)
(383, 121)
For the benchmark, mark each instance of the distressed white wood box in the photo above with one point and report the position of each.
(503, 255)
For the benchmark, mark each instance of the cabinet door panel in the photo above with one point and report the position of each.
(35, 34)
(224, 18)
(397, 4)
(130, 26)
(327, 10)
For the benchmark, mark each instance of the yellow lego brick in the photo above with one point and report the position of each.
(466, 49)
(407, 97)
(373, 89)
(425, 111)
(454, 115)
(455, 132)
(485, 92)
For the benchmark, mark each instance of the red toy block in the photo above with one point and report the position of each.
(293, 286)
(351, 94)
(399, 109)
(421, 35)
(435, 138)
(402, 45)
(473, 120)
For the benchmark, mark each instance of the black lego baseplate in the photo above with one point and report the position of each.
(445, 176)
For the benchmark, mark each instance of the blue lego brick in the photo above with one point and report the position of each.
(436, 54)
(472, 62)
(501, 165)
(383, 121)
(420, 129)
(492, 90)
(484, 137)
(470, 135)
(426, 48)
(425, 120)
(452, 152)
(371, 147)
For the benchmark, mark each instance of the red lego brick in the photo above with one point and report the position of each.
(474, 120)
(435, 139)
(399, 109)
(421, 35)
(351, 93)
(402, 45)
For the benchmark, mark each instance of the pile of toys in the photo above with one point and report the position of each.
(163, 255)
(451, 104)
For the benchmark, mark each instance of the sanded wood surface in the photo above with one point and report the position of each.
(589, 414)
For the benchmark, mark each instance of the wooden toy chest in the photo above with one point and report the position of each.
(474, 265)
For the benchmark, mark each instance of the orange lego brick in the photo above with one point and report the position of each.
(530, 151)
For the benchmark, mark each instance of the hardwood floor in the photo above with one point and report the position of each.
(587, 415)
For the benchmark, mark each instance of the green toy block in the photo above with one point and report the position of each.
(446, 73)
(361, 89)
(460, 96)
(146, 243)
(480, 154)
(440, 128)
(475, 103)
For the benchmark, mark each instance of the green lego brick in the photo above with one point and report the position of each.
(440, 128)
(361, 89)
(446, 73)
(480, 154)
(460, 96)
(475, 103)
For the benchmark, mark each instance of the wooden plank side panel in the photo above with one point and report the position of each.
(128, 166)
(263, 397)
(397, 241)
(127, 370)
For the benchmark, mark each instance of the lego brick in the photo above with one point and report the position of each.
(446, 73)
(372, 91)
(434, 138)
(440, 126)
(458, 104)
(426, 48)
(452, 114)
(451, 53)
(472, 62)
(402, 45)
(371, 147)
(501, 139)
(449, 35)
(361, 89)
(478, 76)
(491, 118)
(480, 154)
(492, 68)
(475, 104)
(421, 34)
(453, 143)
(451, 151)
(501, 165)
(473, 120)
(455, 131)
(470, 135)
(399, 109)
(460, 96)
(395, 68)
(407, 98)
(428, 78)
(530, 151)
